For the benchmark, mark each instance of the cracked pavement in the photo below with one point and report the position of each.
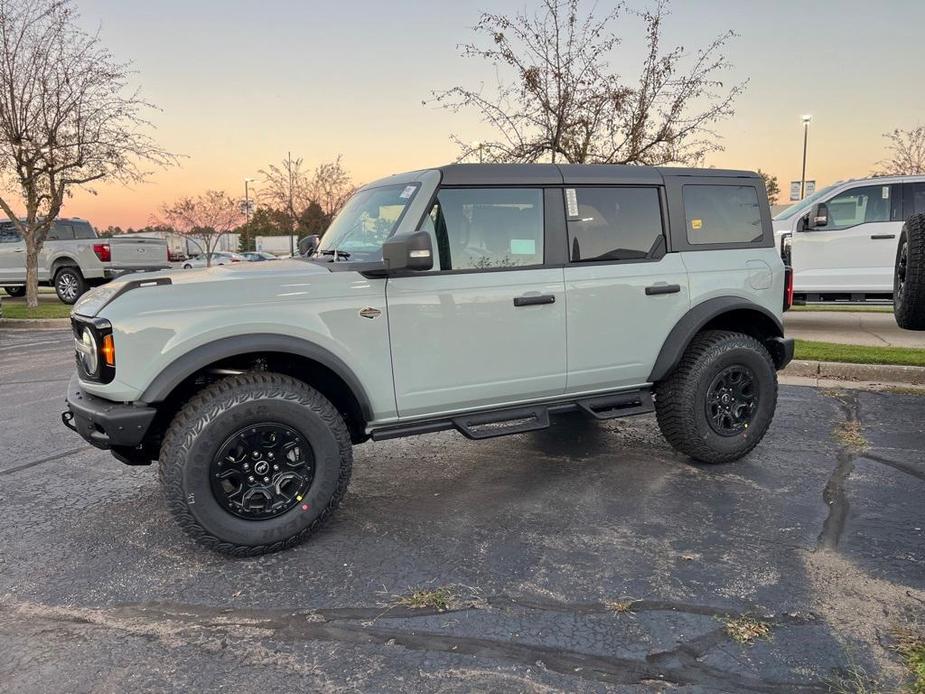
(587, 557)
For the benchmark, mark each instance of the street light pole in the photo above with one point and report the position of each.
(247, 200)
(806, 119)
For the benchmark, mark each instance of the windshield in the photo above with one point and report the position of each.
(367, 220)
(804, 204)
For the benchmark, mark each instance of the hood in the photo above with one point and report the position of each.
(278, 272)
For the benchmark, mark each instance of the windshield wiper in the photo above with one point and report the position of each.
(335, 252)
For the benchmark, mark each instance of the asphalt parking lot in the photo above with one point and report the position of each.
(587, 557)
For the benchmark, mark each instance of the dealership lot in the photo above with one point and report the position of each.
(585, 557)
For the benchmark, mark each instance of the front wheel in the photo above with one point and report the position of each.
(719, 401)
(909, 275)
(255, 463)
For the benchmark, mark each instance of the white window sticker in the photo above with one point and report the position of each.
(523, 247)
(571, 202)
(885, 192)
(407, 192)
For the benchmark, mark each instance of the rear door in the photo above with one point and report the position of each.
(485, 327)
(856, 250)
(625, 292)
(12, 255)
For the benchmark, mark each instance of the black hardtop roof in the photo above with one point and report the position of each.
(558, 174)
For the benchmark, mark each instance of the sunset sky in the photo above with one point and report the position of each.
(241, 83)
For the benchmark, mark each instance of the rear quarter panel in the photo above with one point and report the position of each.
(755, 274)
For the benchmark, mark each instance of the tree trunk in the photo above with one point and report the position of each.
(32, 273)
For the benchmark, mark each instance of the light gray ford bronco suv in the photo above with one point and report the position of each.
(480, 298)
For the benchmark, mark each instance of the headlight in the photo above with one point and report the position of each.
(88, 350)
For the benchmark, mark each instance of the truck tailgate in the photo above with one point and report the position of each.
(138, 252)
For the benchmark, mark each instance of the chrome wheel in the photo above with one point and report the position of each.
(67, 286)
(262, 471)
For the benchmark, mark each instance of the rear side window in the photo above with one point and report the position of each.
(487, 228)
(83, 230)
(614, 224)
(915, 199)
(8, 234)
(722, 214)
(60, 231)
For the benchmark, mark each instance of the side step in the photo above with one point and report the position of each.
(619, 405)
(517, 420)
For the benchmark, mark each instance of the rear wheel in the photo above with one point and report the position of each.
(719, 401)
(15, 292)
(69, 284)
(909, 276)
(255, 463)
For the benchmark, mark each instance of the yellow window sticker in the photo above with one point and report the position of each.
(696, 223)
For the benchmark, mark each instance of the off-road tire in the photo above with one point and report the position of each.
(15, 292)
(68, 278)
(680, 399)
(909, 275)
(197, 431)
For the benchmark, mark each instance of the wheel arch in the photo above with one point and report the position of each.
(720, 313)
(293, 356)
(61, 261)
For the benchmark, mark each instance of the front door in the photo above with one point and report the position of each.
(625, 294)
(856, 249)
(487, 325)
(12, 256)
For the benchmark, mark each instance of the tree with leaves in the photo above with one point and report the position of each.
(773, 187)
(205, 219)
(558, 98)
(906, 153)
(67, 119)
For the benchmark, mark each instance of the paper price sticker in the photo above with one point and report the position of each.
(696, 224)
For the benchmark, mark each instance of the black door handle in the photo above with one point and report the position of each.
(663, 289)
(876, 237)
(534, 300)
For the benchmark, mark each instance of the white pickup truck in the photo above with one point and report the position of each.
(842, 241)
(74, 258)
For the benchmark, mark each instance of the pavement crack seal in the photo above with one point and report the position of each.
(49, 459)
(908, 468)
(848, 434)
(174, 623)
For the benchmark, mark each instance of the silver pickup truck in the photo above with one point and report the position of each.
(74, 258)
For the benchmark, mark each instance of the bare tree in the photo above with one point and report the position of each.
(67, 120)
(205, 219)
(289, 187)
(906, 150)
(558, 99)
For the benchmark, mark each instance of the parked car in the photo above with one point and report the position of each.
(258, 256)
(74, 258)
(440, 299)
(176, 256)
(843, 241)
(218, 258)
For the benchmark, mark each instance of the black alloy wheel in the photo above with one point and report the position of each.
(262, 471)
(732, 399)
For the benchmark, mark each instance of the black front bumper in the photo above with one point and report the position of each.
(103, 423)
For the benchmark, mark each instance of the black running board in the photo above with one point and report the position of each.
(489, 424)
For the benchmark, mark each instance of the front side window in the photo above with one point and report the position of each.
(613, 223)
(859, 206)
(369, 218)
(722, 214)
(486, 228)
(8, 234)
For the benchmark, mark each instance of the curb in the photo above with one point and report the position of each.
(34, 323)
(838, 371)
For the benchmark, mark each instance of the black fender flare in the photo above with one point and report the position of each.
(211, 352)
(693, 322)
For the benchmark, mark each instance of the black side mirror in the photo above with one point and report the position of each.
(412, 251)
(308, 244)
(818, 216)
